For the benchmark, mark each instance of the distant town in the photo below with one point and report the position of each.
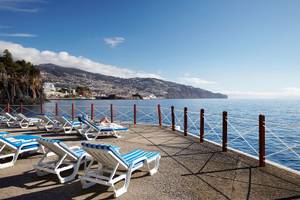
(82, 92)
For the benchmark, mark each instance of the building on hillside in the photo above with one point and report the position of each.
(49, 87)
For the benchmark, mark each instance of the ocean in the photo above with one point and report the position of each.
(282, 121)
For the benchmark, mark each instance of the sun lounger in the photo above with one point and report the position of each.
(10, 120)
(66, 158)
(25, 122)
(68, 125)
(49, 123)
(12, 147)
(92, 130)
(114, 167)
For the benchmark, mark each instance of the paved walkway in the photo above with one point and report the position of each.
(188, 170)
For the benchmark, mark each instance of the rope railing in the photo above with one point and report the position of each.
(248, 135)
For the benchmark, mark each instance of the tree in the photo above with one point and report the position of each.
(7, 57)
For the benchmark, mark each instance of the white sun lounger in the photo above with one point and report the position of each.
(48, 123)
(65, 158)
(25, 122)
(13, 146)
(91, 130)
(10, 120)
(68, 125)
(114, 167)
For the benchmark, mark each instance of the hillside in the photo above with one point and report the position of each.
(125, 88)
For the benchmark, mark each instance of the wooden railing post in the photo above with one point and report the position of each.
(134, 115)
(56, 109)
(111, 113)
(41, 108)
(224, 138)
(201, 125)
(73, 111)
(21, 107)
(262, 132)
(8, 108)
(92, 111)
(173, 118)
(185, 125)
(159, 115)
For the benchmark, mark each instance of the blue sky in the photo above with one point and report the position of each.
(243, 48)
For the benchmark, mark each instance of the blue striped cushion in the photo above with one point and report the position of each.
(137, 153)
(4, 133)
(106, 147)
(49, 140)
(112, 128)
(127, 158)
(21, 139)
(79, 152)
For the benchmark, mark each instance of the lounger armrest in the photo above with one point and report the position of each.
(144, 158)
(75, 147)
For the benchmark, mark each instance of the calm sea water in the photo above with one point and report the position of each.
(282, 121)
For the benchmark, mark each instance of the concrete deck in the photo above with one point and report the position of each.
(188, 170)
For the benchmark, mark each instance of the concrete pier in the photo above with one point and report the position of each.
(188, 170)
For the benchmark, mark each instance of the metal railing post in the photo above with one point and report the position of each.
(185, 125)
(21, 107)
(262, 132)
(56, 109)
(111, 113)
(173, 118)
(92, 111)
(134, 115)
(224, 135)
(8, 108)
(41, 108)
(73, 111)
(201, 125)
(159, 115)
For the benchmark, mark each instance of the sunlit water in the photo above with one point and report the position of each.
(282, 121)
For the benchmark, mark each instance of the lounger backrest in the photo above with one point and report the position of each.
(6, 141)
(105, 154)
(60, 119)
(46, 118)
(58, 147)
(21, 116)
(10, 116)
(89, 123)
(66, 119)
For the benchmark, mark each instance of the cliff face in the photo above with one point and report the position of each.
(20, 81)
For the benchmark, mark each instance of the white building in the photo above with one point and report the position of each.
(49, 87)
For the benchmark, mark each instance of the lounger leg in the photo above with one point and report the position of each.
(68, 129)
(10, 163)
(124, 188)
(155, 168)
(86, 184)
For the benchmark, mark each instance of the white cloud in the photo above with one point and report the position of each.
(114, 41)
(187, 79)
(19, 5)
(25, 35)
(65, 59)
(284, 93)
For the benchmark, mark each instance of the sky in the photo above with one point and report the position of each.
(246, 49)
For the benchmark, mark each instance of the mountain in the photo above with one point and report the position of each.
(121, 87)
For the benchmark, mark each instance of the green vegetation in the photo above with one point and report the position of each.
(19, 80)
(83, 91)
(18, 68)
